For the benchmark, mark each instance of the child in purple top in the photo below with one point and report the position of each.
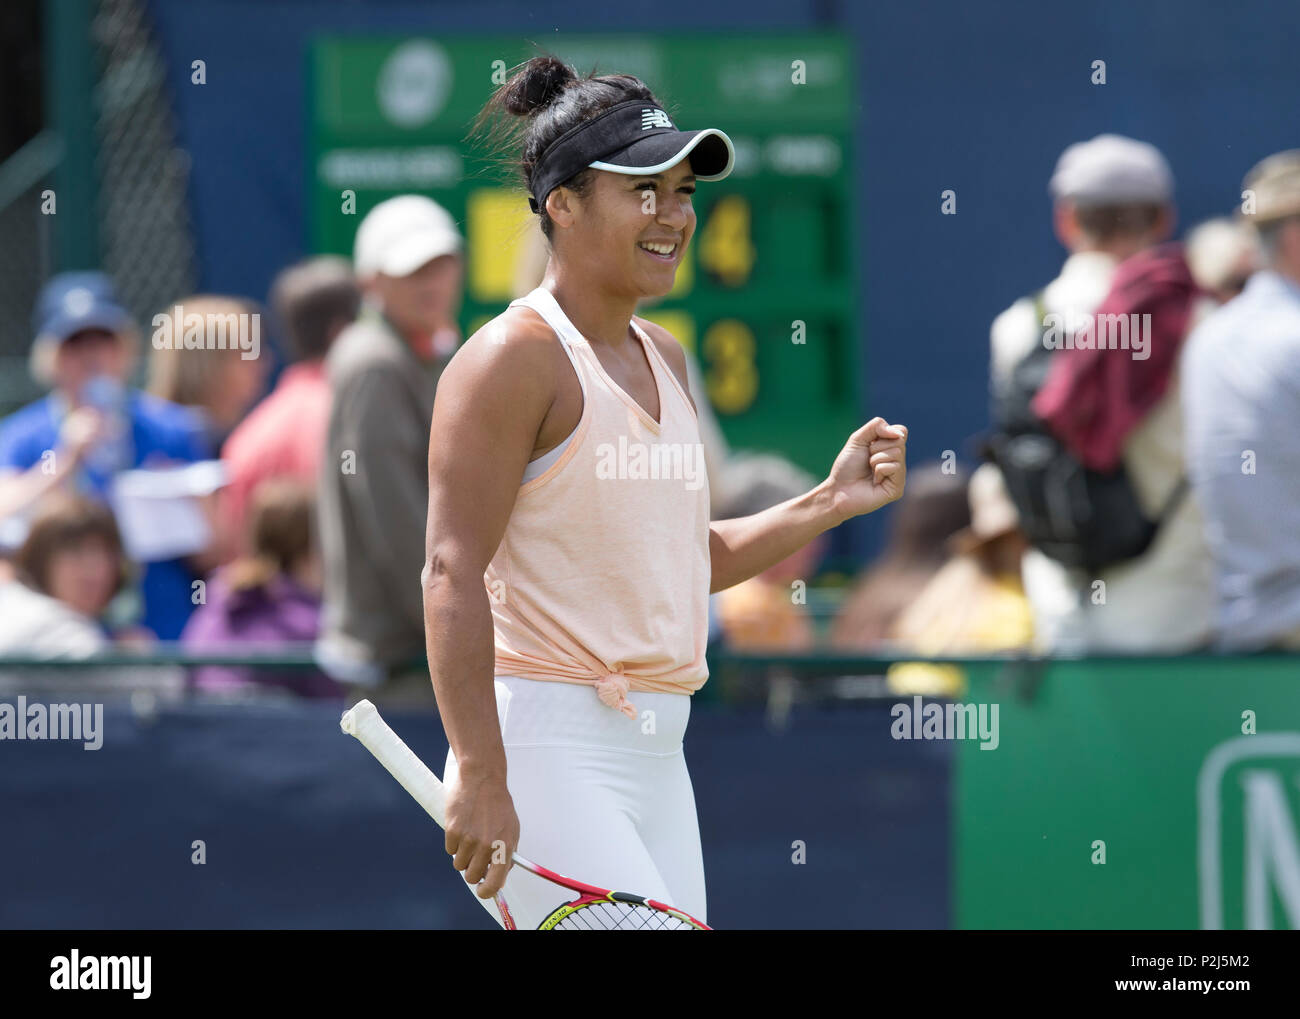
(267, 600)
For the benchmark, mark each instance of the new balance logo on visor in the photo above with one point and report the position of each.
(654, 118)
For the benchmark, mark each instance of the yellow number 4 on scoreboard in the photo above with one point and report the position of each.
(726, 245)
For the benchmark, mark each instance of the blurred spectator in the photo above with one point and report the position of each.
(220, 374)
(1241, 389)
(284, 436)
(1112, 197)
(762, 613)
(1223, 254)
(1111, 408)
(975, 605)
(269, 598)
(383, 371)
(932, 509)
(92, 426)
(976, 602)
(66, 574)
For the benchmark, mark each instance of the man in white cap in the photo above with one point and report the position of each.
(1241, 403)
(1113, 198)
(383, 371)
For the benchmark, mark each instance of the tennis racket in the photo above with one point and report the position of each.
(593, 909)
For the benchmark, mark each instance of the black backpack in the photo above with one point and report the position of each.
(1075, 515)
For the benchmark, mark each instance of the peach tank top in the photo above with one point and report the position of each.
(602, 576)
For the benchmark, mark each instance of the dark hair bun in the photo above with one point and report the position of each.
(536, 85)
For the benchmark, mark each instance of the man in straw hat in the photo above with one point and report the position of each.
(1241, 404)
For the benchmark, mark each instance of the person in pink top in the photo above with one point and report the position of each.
(569, 551)
(284, 436)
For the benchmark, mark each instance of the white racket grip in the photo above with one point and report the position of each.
(363, 721)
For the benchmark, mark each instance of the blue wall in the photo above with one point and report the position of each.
(303, 829)
(980, 98)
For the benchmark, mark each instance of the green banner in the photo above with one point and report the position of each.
(1139, 794)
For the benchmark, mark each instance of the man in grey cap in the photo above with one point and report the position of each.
(1241, 400)
(1112, 198)
(383, 371)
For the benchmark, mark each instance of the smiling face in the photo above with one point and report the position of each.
(628, 231)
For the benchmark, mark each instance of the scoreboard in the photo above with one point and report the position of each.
(766, 295)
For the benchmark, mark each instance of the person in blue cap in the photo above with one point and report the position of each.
(92, 425)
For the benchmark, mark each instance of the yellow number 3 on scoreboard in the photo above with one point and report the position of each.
(732, 375)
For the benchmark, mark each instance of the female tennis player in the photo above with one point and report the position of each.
(570, 554)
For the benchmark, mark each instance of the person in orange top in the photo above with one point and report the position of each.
(569, 550)
(284, 436)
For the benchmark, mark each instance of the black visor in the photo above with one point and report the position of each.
(631, 137)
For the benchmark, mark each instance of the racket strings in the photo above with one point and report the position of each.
(620, 916)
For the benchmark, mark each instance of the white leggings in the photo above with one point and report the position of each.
(601, 797)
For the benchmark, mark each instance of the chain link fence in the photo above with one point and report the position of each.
(26, 237)
(142, 178)
(145, 229)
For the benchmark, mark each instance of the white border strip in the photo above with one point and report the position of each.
(675, 159)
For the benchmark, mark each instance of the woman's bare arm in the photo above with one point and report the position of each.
(868, 474)
(492, 399)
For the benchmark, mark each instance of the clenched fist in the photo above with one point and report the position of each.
(870, 470)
